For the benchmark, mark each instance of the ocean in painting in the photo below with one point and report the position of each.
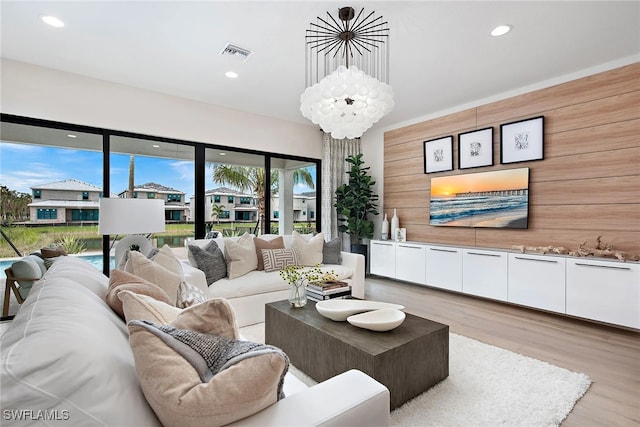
(502, 211)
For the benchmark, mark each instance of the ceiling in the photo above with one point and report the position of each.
(441, 53)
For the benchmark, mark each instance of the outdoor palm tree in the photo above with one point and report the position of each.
(216, 211)
(252, 180)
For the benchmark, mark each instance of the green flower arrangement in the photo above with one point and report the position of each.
(299, 276)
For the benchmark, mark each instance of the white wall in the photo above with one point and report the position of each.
(44, 93)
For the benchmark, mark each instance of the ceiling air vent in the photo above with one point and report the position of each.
(235, 52)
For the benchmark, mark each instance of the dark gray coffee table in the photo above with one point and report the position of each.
(408, 360)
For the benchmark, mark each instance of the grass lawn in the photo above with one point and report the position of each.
(77, 237)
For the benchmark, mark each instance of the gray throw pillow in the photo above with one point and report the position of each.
(27, 268)
(210, 260)
(331, 252)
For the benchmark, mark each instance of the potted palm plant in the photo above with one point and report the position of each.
(355, 202)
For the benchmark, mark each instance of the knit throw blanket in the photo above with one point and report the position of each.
(210, 354)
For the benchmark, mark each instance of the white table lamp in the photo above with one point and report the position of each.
(131, 216)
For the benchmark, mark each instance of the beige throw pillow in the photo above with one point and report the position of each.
(155, 273)
(240, 256)
(170, 370)
(277, 259)
(166, 258)
(121, 280)
(143, 307)
(214, 316)
(309, 251)
(277, 243)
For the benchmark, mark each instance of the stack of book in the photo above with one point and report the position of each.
(321, 291)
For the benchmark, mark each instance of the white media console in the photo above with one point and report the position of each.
(591, 288)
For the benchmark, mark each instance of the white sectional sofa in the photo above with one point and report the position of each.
(249, 293)
(66, 360)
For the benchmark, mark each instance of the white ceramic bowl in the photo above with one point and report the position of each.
(340, 309)
(378, 320)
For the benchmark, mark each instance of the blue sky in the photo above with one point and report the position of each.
(23, 166)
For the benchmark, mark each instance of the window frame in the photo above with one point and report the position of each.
(198, 211)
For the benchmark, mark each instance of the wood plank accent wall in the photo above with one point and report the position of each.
(587, 185)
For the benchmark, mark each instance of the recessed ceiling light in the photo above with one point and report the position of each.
(501, 30)
(231, 74)
(155, 146)
(223, 154)
(71, 136)
(52, 20)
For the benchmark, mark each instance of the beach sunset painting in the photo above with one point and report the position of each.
(496, 199)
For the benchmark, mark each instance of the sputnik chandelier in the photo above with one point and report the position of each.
(346, 64)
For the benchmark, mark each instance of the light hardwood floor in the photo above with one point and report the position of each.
(609, 355)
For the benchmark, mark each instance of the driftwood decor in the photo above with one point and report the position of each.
(602, 249)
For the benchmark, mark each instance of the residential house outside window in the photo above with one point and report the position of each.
(129, 156)
(47, 213)
(172, 215)
(243, 216)
(85, 214)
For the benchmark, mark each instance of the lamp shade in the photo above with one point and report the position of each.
(131, 216)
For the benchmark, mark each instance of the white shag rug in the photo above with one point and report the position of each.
(487, 386)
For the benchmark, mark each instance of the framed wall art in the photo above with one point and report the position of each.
(438, 154)
(522, 141)
(493, 199)
(475, 148)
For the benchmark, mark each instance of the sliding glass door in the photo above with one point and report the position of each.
(293, 196)
(51, 181)
(52, 176)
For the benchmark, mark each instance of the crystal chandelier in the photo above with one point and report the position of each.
(348, 101)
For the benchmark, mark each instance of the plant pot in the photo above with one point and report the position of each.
(362, 249)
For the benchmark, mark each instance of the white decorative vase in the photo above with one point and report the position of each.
(384, 231)
(395, 224)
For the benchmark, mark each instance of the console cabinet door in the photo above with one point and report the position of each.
(410, 262)
(484, 273)
(383, 258)
(607, 291)
(444, 267)
(537, 281)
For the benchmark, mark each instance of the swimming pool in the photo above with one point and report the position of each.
(93, 259)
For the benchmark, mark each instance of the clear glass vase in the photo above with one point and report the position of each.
(297, 295)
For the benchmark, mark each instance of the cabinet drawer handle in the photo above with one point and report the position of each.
(602, 266)
(410, 247)
(478, 253)
(444, 250)
(538, 260)
(383, 244)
